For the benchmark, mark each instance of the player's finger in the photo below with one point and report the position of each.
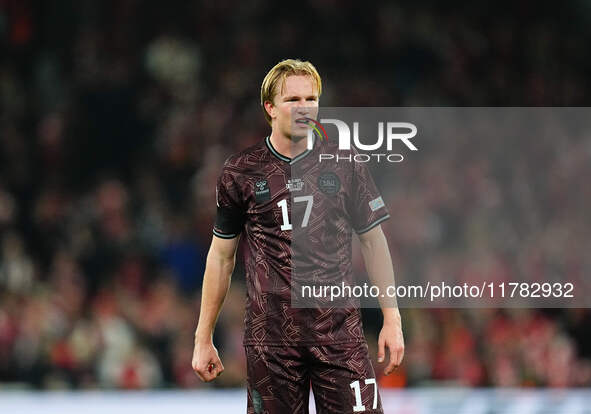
(216, 369)
(400, 356)
(381, 349)
(391, 363)
(205, 372)
(209, 375)
(200, 374)
(195, 367)
(390, 367)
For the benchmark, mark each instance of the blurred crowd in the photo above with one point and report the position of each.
(115, 120)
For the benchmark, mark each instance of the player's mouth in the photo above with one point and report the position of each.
(304, 121)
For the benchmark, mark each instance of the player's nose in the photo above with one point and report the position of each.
(302, 107)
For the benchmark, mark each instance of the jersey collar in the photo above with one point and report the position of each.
(283, 157)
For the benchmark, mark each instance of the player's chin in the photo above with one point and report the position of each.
(298, 133)
(294, 136)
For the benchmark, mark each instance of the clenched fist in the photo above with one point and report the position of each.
(206, 361)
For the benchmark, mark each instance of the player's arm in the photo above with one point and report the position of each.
(216, 281)
(378, 262)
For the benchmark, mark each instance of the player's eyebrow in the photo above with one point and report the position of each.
(289, 98)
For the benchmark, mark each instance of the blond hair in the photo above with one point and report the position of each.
(276, 76)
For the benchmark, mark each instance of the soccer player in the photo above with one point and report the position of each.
(290, 348)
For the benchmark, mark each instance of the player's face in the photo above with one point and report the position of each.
(297, 100)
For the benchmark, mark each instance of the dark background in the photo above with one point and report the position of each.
(115, 119)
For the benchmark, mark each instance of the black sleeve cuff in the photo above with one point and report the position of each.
(372, 224)
(224, 235)
(228, 222)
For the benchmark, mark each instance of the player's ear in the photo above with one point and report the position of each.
(270, 108)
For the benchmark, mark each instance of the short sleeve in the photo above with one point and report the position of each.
(230, 214)
(367, 206)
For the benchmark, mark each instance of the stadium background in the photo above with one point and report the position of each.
(116, 117)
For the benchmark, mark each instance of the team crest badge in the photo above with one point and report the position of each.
(329, 183)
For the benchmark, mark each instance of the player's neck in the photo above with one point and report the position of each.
(286, 146)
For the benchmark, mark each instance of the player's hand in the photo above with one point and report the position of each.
(391, 338)
(206, 361)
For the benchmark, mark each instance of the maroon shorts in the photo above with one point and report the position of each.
(341, 377)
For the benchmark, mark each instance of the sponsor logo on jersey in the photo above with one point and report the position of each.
(295, 184)
(329, 183)
(262, 192)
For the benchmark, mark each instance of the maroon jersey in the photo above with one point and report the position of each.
(297, 216)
